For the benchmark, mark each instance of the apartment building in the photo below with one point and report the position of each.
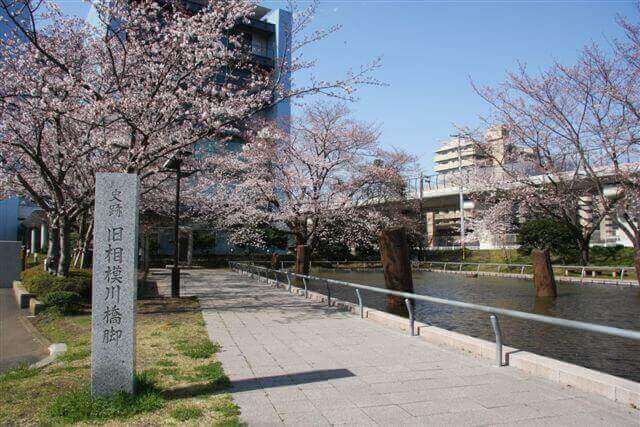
(461, 153)
(441, 193)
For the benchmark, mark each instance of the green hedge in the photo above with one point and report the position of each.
(64, 302)
(41, 283)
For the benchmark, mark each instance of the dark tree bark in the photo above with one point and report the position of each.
(145, 254)
(302, 259)
(584, 251)
(636, 258)
(53, 246)
(543, 277)
(64, 263)
(77, 252)
(274, 261)
(394, 253)
(84, 254)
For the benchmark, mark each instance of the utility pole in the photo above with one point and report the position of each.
(423, 228)
(460, 193)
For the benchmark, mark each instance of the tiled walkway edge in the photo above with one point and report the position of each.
(295, 361)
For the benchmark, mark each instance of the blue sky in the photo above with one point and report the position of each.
(430, 50)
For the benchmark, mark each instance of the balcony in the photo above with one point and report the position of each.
(449, 166)
(258, 26)
(453, 145)
(263, 56)
(468, 152)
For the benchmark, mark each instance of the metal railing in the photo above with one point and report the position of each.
(618, 272)
(260, 272)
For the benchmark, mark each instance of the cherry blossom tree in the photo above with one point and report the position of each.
(328, 174)
(48, 147)
(151, 79)
(618, 77)
(578, 130)
(493, 220)
(560, 172)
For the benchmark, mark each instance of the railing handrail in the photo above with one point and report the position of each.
(587, 267)
(576, 267)
(575, 324)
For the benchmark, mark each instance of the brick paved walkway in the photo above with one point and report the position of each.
(297, 362)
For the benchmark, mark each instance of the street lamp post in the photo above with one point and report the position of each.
(175, 164)
(175, 271)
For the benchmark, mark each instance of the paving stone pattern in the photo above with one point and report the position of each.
(297, 362)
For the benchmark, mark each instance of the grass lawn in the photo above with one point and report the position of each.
(179, 378)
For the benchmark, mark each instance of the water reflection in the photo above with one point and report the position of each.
(613, 306)
(543, 305)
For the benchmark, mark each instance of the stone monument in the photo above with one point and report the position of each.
(115, 275)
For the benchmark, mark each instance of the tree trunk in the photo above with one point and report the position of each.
(274, 261)
(65, 248)
(53, 246)
(543, 277)
(80, 243)
(394, 253)
(302, 259)
(636, 258)
(84, 254)
(584, 251)
(145, 254)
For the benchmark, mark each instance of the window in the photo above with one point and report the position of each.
(259, 45)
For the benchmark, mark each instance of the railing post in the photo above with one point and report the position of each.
(445, 267)
(499, 267)
(478, 268)
(360, 303)
(411, 320)
(275, 274)
(522, 270)
(288, 281)
(304, 280)
(460, 267)
(498, 334)
(328, 293)
(622, 274)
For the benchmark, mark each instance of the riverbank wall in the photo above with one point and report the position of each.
(525, 276)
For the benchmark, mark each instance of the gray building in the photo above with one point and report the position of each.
(268, 33)
(14, 210)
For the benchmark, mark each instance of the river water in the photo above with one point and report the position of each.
(606, 305)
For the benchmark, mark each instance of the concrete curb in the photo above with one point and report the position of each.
(55, 350)
(588, 380)
(22, 296)
(475, 273)
(35, 307)
(25, 299)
